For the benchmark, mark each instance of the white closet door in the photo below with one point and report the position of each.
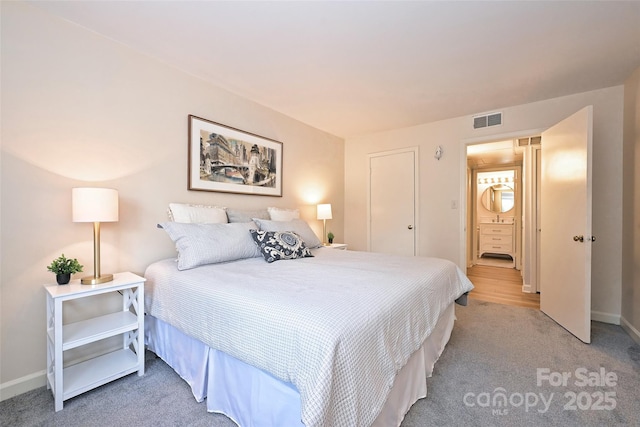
(392, 202)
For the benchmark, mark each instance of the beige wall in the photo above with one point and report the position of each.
(81, 110)
(631, 218)
(440, 228)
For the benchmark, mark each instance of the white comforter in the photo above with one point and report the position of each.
(338, 326)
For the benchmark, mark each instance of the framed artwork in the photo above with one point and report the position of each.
(225, 159)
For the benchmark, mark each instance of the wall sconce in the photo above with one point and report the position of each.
(438, 154)
(95, 205)
(324, 213)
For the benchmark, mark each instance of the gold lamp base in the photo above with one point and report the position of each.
(97, 278)
(91, 280)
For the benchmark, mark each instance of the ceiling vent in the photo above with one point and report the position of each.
(493, 119)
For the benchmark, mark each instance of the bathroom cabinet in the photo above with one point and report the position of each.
(497, 239)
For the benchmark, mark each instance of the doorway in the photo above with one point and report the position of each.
(565, 193)
(496, 222)
(495, 207)
(495, 203)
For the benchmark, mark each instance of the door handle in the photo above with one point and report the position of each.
(410, 227)
(581, 239)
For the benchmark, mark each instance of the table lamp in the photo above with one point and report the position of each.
(95, 205)
(324, 213)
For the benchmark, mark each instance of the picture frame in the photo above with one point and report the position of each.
(225, 159)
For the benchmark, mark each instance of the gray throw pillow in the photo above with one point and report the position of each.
(275, 245)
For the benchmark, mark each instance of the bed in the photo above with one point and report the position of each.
(327, 338)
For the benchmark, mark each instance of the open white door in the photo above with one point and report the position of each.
(565, 264)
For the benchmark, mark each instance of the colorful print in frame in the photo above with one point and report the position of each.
(225, 159)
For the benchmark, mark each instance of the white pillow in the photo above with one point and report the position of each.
(238, 215)
(200, 244)
(200, 214)
(298, 226)
(278, 214)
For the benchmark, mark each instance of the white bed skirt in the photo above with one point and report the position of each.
(254, 398)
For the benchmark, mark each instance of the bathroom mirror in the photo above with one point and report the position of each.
(498, 198)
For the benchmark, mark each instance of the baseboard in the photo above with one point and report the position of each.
(629, 329)
(22, 385)
(599, 316)
(527, 288)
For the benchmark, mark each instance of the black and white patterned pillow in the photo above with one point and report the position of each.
(277, 245)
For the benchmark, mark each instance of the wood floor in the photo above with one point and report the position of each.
(500, 285)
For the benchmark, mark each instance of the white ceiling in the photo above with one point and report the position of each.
(352, 68)
(492, 154)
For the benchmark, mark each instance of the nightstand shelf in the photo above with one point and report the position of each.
(88, 331)
(68, 381)
(98, 371)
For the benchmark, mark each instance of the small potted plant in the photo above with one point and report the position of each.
(330, 237)
(63, 268)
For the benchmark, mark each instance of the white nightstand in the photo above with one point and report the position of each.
(339, 246)
(70, 381)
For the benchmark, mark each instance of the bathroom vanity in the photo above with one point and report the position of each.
(497, 238)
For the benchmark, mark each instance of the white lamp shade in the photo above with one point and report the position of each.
(94, 204)
(324, 211)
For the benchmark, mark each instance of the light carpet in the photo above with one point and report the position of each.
(504, 366)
